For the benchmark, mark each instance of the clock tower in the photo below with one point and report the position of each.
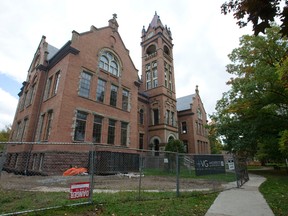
(158, 84)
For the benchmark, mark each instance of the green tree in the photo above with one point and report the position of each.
(4, 136)
(175, 145)
(261, 13)
(215, 142)
(253, 112)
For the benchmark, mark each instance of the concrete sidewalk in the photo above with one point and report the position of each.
(244, 201)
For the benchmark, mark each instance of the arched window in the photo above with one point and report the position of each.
(109, 62)
(151, 49)
(166, 50)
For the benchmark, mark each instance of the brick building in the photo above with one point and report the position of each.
(89, 91)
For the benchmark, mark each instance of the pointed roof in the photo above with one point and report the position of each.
(156, 21)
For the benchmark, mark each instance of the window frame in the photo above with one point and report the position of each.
(97, 129)
(85, 84)
(125, 99)
(109, 62)
(80, 120)
(100, 91)
(111, 131)
(113, 95)
(124, 133)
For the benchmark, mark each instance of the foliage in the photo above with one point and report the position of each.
(4, 136)
(260, 12)
(215, 143)
(4, 133)
(175, 146)
(284, 143)
(254, 111)
(274, 190)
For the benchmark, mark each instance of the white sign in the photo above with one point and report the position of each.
(79, 190)
(231, 165)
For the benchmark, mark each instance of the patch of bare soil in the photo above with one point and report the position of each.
(112, 182)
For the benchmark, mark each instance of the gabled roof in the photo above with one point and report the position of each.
(184, 103)
(51, 51)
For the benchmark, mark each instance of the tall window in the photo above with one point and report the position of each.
(148, 80)
(185, 143)
(156, 116)
(184, 127)
(100, 94)
(141, 116)
(167, 116)
(141, 141)
(85, 81)
(199, 113)
(23, 101)
(151, 75)
(30, 95)
(172, 118)
(109, 62)
(48, 87)
(97, 128)
(48, 125)
(42, 118)
(113, 95)
(56, 82)
(80, 127)
(168, 76)
(111, 131)
(124, 132)
(23, 129)
(125, 99)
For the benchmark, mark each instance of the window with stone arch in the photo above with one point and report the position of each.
(109, 62)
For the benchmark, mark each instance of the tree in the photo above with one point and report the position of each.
(260, 12)
(4, 135)
(215, 142)
(252, 114)
(175, 145)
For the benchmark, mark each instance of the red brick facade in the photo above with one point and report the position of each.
(90, 91)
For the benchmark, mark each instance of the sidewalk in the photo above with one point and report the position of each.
(244, 201)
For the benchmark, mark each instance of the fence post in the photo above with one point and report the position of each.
(140, 177)
(91, 168)
(177, 174)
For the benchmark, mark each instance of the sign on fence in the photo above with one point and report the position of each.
(79, 190)
(209, 164)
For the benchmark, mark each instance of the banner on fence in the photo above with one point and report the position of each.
(79, 190)
(209, 164)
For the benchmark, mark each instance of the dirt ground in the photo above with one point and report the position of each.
(102, 183)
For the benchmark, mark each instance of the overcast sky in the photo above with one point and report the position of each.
(202, 38)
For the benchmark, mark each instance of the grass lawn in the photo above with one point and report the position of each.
(119, 204)
(275, 190)
(124, 203)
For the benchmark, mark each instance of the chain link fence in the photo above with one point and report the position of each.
(39, 176)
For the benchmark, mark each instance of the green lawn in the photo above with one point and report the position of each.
(125, 203)
(275, 190)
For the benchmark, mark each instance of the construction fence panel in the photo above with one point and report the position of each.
(42, 176)
(58, 174)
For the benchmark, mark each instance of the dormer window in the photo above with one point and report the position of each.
(109, 62)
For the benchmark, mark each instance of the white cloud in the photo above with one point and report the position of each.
(7, 108)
